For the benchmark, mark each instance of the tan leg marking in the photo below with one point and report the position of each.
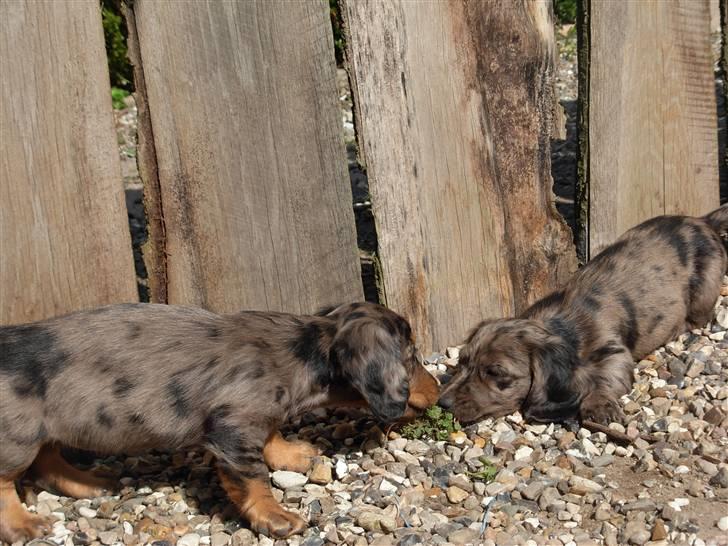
(16, 523)
(255, 501)
(52, 469)
(280, 454)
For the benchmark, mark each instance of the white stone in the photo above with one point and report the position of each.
(723, 523)
(678, 503)
(286, 479)
(341, 469)
(523, 452)
(85, 512)
(387, 487)
(191, 539)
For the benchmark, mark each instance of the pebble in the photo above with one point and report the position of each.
(320, 474)
(286, 479)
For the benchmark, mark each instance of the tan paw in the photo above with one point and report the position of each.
(23, 526)
(270, 519)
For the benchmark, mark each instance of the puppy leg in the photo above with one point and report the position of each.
(17, 524)
(244, 475)
(53, 471)
(255, 501)
(280, 454)
(606, 384)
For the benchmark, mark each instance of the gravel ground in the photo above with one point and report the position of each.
(664, 482)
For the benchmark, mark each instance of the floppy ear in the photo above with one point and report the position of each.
(370, 359)
(552, 397)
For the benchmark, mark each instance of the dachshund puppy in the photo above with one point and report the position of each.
(572, 353)
(133, 377)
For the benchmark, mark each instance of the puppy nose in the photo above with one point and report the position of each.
(445, 402)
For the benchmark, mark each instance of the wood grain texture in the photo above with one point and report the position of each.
(652, 115)
(253, 189)
(454, 109)
(64, 237)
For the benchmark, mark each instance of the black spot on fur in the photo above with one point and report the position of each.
(103, 418)
(669, 229)
(384, 407)
(657, 268)
(703, 248)
(306, 346)
(558, 361)
(233, 373)
(222, 434)
(212, 363)
(609, 349)
(30, 355)
(591, 304)
(135, 330)
(566, 330)
(213, 332)
(136, 419)
(629, 330)
(553, 300)
(103, 366)
(280, 393)
(258, 372)
(121, 387)
(657, 319)
(178, 396)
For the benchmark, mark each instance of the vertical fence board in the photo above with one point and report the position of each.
(652, 115)
(253, 186)
(454, 105)
(64, 237)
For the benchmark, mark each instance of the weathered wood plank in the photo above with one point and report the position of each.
(652, 119)
(253, 189)
(64, 237)
(454, 104)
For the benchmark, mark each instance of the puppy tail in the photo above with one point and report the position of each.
(718, 221)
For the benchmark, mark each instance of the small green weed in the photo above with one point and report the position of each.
(117, 98)
(436, 424)
(486, 474)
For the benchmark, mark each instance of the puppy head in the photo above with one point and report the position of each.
(375, 353)
(509, 365)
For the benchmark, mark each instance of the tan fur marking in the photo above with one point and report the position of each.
(16, 523)
(52, 469)
(255, 501)
(280, 454)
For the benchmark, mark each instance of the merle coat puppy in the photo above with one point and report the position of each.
(572, 353)
(133, 377)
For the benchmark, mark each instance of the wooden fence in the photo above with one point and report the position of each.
(241, 152)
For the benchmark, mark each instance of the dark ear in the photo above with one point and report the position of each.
(552, 397)
(370, 359)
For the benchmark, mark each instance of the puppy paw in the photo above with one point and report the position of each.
(23, 526)
(295, 456)
(270, 519)
(601, 409)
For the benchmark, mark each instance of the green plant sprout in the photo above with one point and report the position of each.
(436, 424)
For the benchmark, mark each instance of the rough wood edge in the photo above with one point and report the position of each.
(724, 38)
(358, 131)
(581, 199)
(154, 249)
